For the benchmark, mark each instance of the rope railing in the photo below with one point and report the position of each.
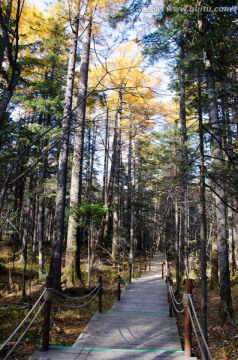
(47, 297)
(75, 298)
(23, 334)
(199, 328)
(78, 306)
(97, 291)
(175, 302)
(23, 321)
(191, 321)
(47, 301)
(196, 335)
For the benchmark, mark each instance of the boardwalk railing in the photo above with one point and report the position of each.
(31, 312)
(191, 322)
(44, 303)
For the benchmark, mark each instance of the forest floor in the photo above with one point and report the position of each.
(68, 322)
(222, 335)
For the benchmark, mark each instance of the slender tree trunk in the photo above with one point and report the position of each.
(106, 157)
(203, 227)
(235, 239)
(115, 165)
(12, 54)
(102, 234)
(41, 234)
(24, 256)
(130, 197)
(177, 247)
(116, 177)
(35, 229)
(219, 195)
(214, 283)
(183, 169)
(73, 243)
(56, 258)
(232, 242)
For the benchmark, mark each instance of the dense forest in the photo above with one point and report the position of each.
(103, 155)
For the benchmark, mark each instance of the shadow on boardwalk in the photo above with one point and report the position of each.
(137, 327)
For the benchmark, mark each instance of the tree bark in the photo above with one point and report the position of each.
(203, 226)
(116, 176)
(214, 282)
(219, 194)
(73, 245)
(183, 169)
(56, 257)
(11, 46)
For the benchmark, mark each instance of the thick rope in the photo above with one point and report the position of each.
(200, 329)
(23, 321)
(77, 306)
(196, 335)
(28, 327)
(75, 298)
(176, 302)
(174, 305)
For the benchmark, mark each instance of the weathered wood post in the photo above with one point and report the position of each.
(47, 308)
(100, 294)
(146, 264)
(130, 271)
(118, 288)
(167, 271)
(187, 320)
(170, 284)
(162, 270)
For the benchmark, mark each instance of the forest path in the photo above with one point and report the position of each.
(137, 327)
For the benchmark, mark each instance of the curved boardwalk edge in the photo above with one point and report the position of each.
(137, 327)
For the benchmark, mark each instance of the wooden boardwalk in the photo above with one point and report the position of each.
(137, 327)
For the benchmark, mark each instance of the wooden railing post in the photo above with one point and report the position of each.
(130, 271)
(187, 320)
(118, 288)
(170, 283)
(100, 294)
(47, 308)
(167, 281)
(146, 264)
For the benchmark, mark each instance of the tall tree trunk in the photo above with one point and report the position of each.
(183, 169)
(56, 258)
(116, 210)
(232, 243)
(41, 233)
(116, 176)
(12, 48)
(177, 247)
(214, 282)
(202, 214)
(105, 164)
(73, 243)
(219, 194)
(130, 197)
